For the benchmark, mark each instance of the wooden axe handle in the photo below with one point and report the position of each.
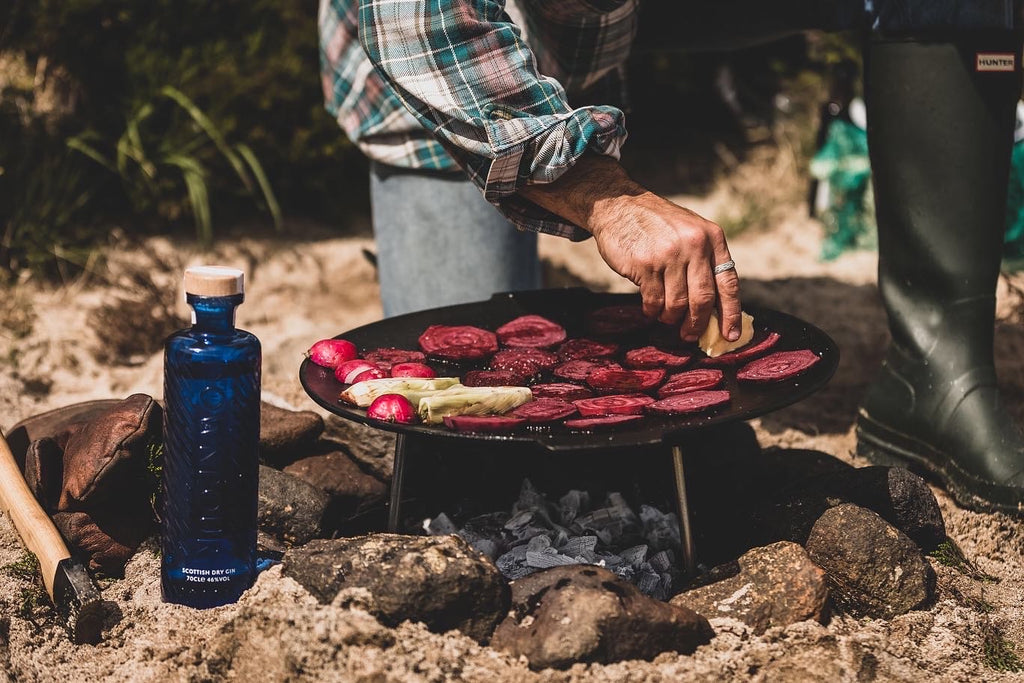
(33, 524)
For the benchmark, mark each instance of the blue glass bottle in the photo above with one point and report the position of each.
(211, 441)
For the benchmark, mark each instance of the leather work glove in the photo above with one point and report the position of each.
(92, 476)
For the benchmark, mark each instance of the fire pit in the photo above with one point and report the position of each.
(569, 308)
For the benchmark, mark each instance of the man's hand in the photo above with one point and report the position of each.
(667, 251)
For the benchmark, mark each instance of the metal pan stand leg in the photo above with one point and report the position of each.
(689, 557)
(395, 504)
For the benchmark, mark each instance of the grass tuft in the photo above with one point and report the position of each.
(1000, 653)
(949, 554)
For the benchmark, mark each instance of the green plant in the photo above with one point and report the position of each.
(949, 554)
(1000, 653)
(154, 144)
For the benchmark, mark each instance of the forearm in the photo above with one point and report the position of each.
(592, 193)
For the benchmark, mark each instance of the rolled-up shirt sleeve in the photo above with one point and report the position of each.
(462, 68)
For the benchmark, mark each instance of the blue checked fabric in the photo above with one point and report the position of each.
(458, 84)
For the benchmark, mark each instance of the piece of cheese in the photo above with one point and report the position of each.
(714, 344)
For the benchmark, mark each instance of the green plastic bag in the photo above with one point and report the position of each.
(849, 216)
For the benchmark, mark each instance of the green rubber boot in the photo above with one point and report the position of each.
(940, 126)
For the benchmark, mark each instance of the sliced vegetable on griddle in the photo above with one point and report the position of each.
(463, 400)
(352, 371)
(412, 369)
(653, 357)
(489, 424)
(602, 422)
(691, 380)
(362, 394)
(753, 350)
(567, 391)
(626, 404)
(531, 331)
(692, 402)
(586, 349)
(778, 366)
(493, 378)
(389, 356)
(458, 342)
(612, 321)
(541, 410)
(578, 370)
(527, 361)
(714, 344)
(618, 380)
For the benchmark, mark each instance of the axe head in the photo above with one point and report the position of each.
(78, 602)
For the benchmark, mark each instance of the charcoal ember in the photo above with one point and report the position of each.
(635, 555)
(691, 402)
(611, 620)
(873, 568)
(581, 546)
(571, 503)
(543, 410)
(579, 370)
(602, 422)
(440, 526)
(525, 362)
(776, 585)
(611, 321)
(651, 357)
(586, 349)
(566, 391)
(531, 331)
(437, 580)
(458, 342)
(660, 529)
(493, 378)
(778, 366)
(662, 561)
(616, 381)
(385, 357)
(763, 342)
(627, 404)
(691, 380)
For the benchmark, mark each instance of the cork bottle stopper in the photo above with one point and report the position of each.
(213, 281)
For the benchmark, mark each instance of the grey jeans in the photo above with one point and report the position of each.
(439, 243)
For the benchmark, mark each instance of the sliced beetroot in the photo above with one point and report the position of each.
(617, 320)
(625, 404)
(545, 410)
(691, 380)
(586, 349)
(531, 331)
(742, 355)
(492, 378)
(458, 342)
(652, 357)
(692, 402)
(387, 357)
(618, 380)
(602, 422)
(412, 370)
(563, 390)
(524, 361)
(347, 372)
(778, 366)
(578, 370)
(499, 424)
(330, 353)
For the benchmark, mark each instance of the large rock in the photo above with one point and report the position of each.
(901, 498)
(373, 448)
(582, 613)
(286, 435)
(873, 568)
(290, 509)
(776, 585)
(351, 490)
(438, 580)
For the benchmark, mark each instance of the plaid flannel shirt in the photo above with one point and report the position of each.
(441, 85)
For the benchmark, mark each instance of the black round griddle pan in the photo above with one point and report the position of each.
(569, 308)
